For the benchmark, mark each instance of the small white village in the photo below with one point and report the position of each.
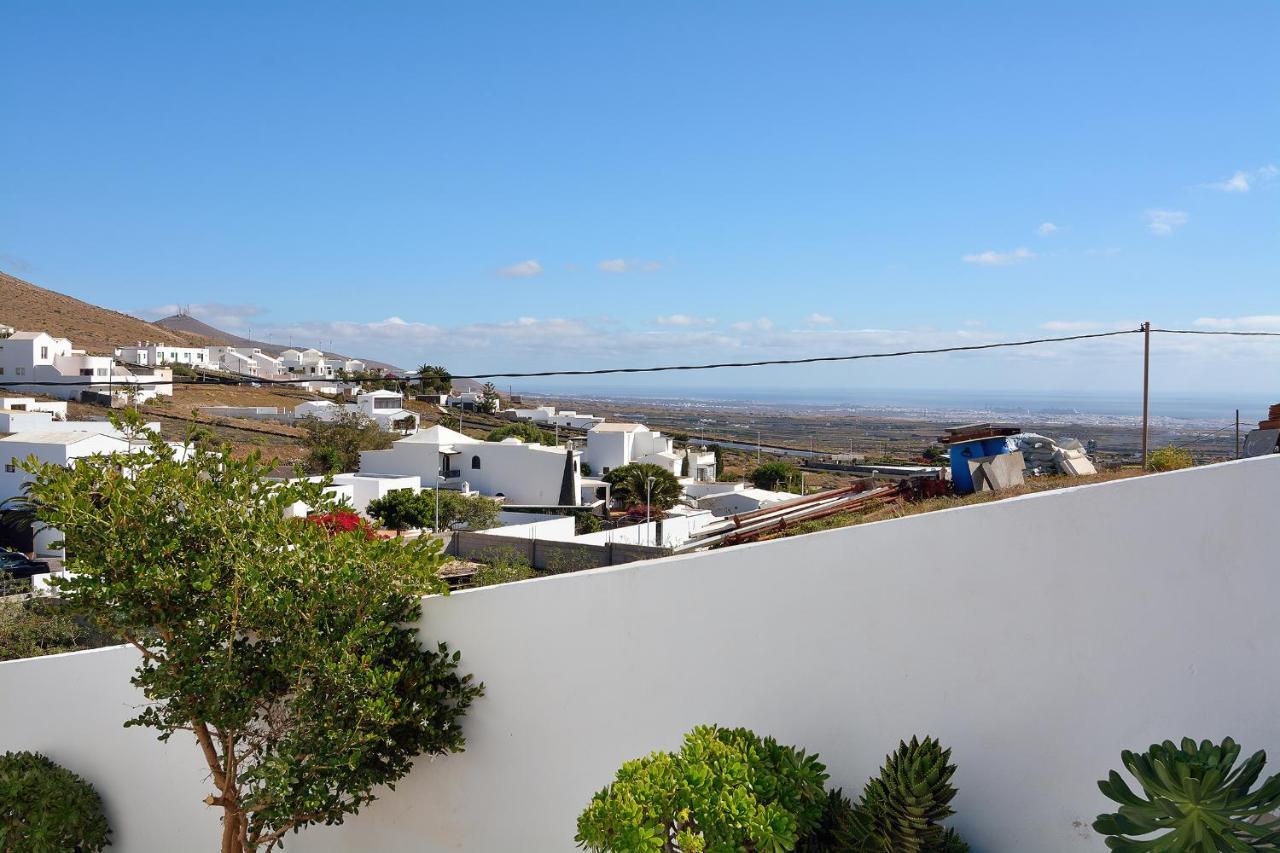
(639, 428)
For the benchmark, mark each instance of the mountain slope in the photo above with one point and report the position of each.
(26, 306)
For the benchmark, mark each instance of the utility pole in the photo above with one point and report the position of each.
(1146, 386)
(757, 447)
(1237, 433)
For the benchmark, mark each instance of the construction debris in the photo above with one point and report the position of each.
(1265, 439)
(997, 473)
(1043, 455)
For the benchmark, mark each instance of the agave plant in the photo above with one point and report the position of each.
(901, 810)
(1196, 796)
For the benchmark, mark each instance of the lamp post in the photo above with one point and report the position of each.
(648, 497)
(439, 480)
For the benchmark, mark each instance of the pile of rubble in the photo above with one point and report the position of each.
(1266, 438)
(1043, 455)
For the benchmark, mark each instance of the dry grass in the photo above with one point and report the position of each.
(25, 306)
(882, 513)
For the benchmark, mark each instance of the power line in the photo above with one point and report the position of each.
(1217, 332)
(811, 360)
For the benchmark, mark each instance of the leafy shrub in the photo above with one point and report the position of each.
(525, 431)
(1170, 459)
(403, 509)
(46, 807)
(45, 626)
(341, 521)
(726, 789)
(504, 568)
(1196, 795)
(770, 475)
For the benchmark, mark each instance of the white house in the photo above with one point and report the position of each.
(21, 421)
(526, 474)
(57, 408)
(53, 367)
(146, 353)
(345, 365)
(232, 360)
(739, 499)
(369, 487)
(386, 408)
(612, 445)
(549, 416)
(307, 362)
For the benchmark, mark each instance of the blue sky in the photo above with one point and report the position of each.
(559, 185)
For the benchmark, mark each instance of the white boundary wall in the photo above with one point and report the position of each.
(1036, 636)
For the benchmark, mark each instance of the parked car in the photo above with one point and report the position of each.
(20, 566)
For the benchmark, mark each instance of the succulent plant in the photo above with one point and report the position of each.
(1194, 794)
(901, 809)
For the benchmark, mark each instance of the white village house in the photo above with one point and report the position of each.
(524, 474)
(250, 361)
(612, 445)
(52, 366)
(146, 353)
(386, 408)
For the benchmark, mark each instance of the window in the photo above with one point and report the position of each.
(606, 470)
(20, 371)
(387, 402)
(86, 372)
(475, 463)
(11, 468)
(1, 371)
(102, 371)
(44, 352)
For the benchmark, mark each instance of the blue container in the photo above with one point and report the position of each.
(961, 453)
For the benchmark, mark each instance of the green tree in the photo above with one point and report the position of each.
(403, 509)
(629, 483)
(45, 626)
(288, 652)
(726, 789)
(475, 512)
(433, 379)
(490, 400)
(334, 446)
(525, 431)
(771, 475)
(46, 807)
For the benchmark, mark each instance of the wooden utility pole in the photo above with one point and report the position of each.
(1146, 386)
(1237, 433)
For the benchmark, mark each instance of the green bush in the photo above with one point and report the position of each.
(726, 789)
(630, 485)
(525, 431)
(502, 568)
(403, 509)
(46, 807)
(771, 475)
(902, 809)
(1195, 796)
(1170, 459)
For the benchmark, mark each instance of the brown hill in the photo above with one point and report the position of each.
(25, 306)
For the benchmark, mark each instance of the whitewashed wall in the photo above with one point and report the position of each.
(1037, 636)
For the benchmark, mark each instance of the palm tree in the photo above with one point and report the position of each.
(631, 485)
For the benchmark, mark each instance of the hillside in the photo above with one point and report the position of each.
(26, 306)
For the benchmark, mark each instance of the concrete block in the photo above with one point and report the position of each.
(994, 473)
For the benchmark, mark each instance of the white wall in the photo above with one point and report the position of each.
(1036, 636)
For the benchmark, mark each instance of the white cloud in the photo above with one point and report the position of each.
(992, 258)
(1047, 228)
(218, 314)
(1250, 323)
(1242, 181)
(684, 320)
(621, 265)
(816, 319)
(1162, 223)
(763, 324)
(523, 269)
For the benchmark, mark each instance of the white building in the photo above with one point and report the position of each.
(53, 367)
(612, 445)
(525, 474)
(150, 354)
(57, 408)
(21, 421)
(307, 362)
(549, 416)
(386, 408)
(739, 499)
(248, 361)
(345, 365)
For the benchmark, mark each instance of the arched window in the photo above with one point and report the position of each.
(475, 462)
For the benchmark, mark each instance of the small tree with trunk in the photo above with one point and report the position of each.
(285, 649)
(631, 485)
(403, 509)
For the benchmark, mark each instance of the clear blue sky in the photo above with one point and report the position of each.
(489, 185)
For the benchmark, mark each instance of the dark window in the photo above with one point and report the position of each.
(475, 462)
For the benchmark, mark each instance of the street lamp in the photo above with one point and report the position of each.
(439, 480)
(648, 498)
